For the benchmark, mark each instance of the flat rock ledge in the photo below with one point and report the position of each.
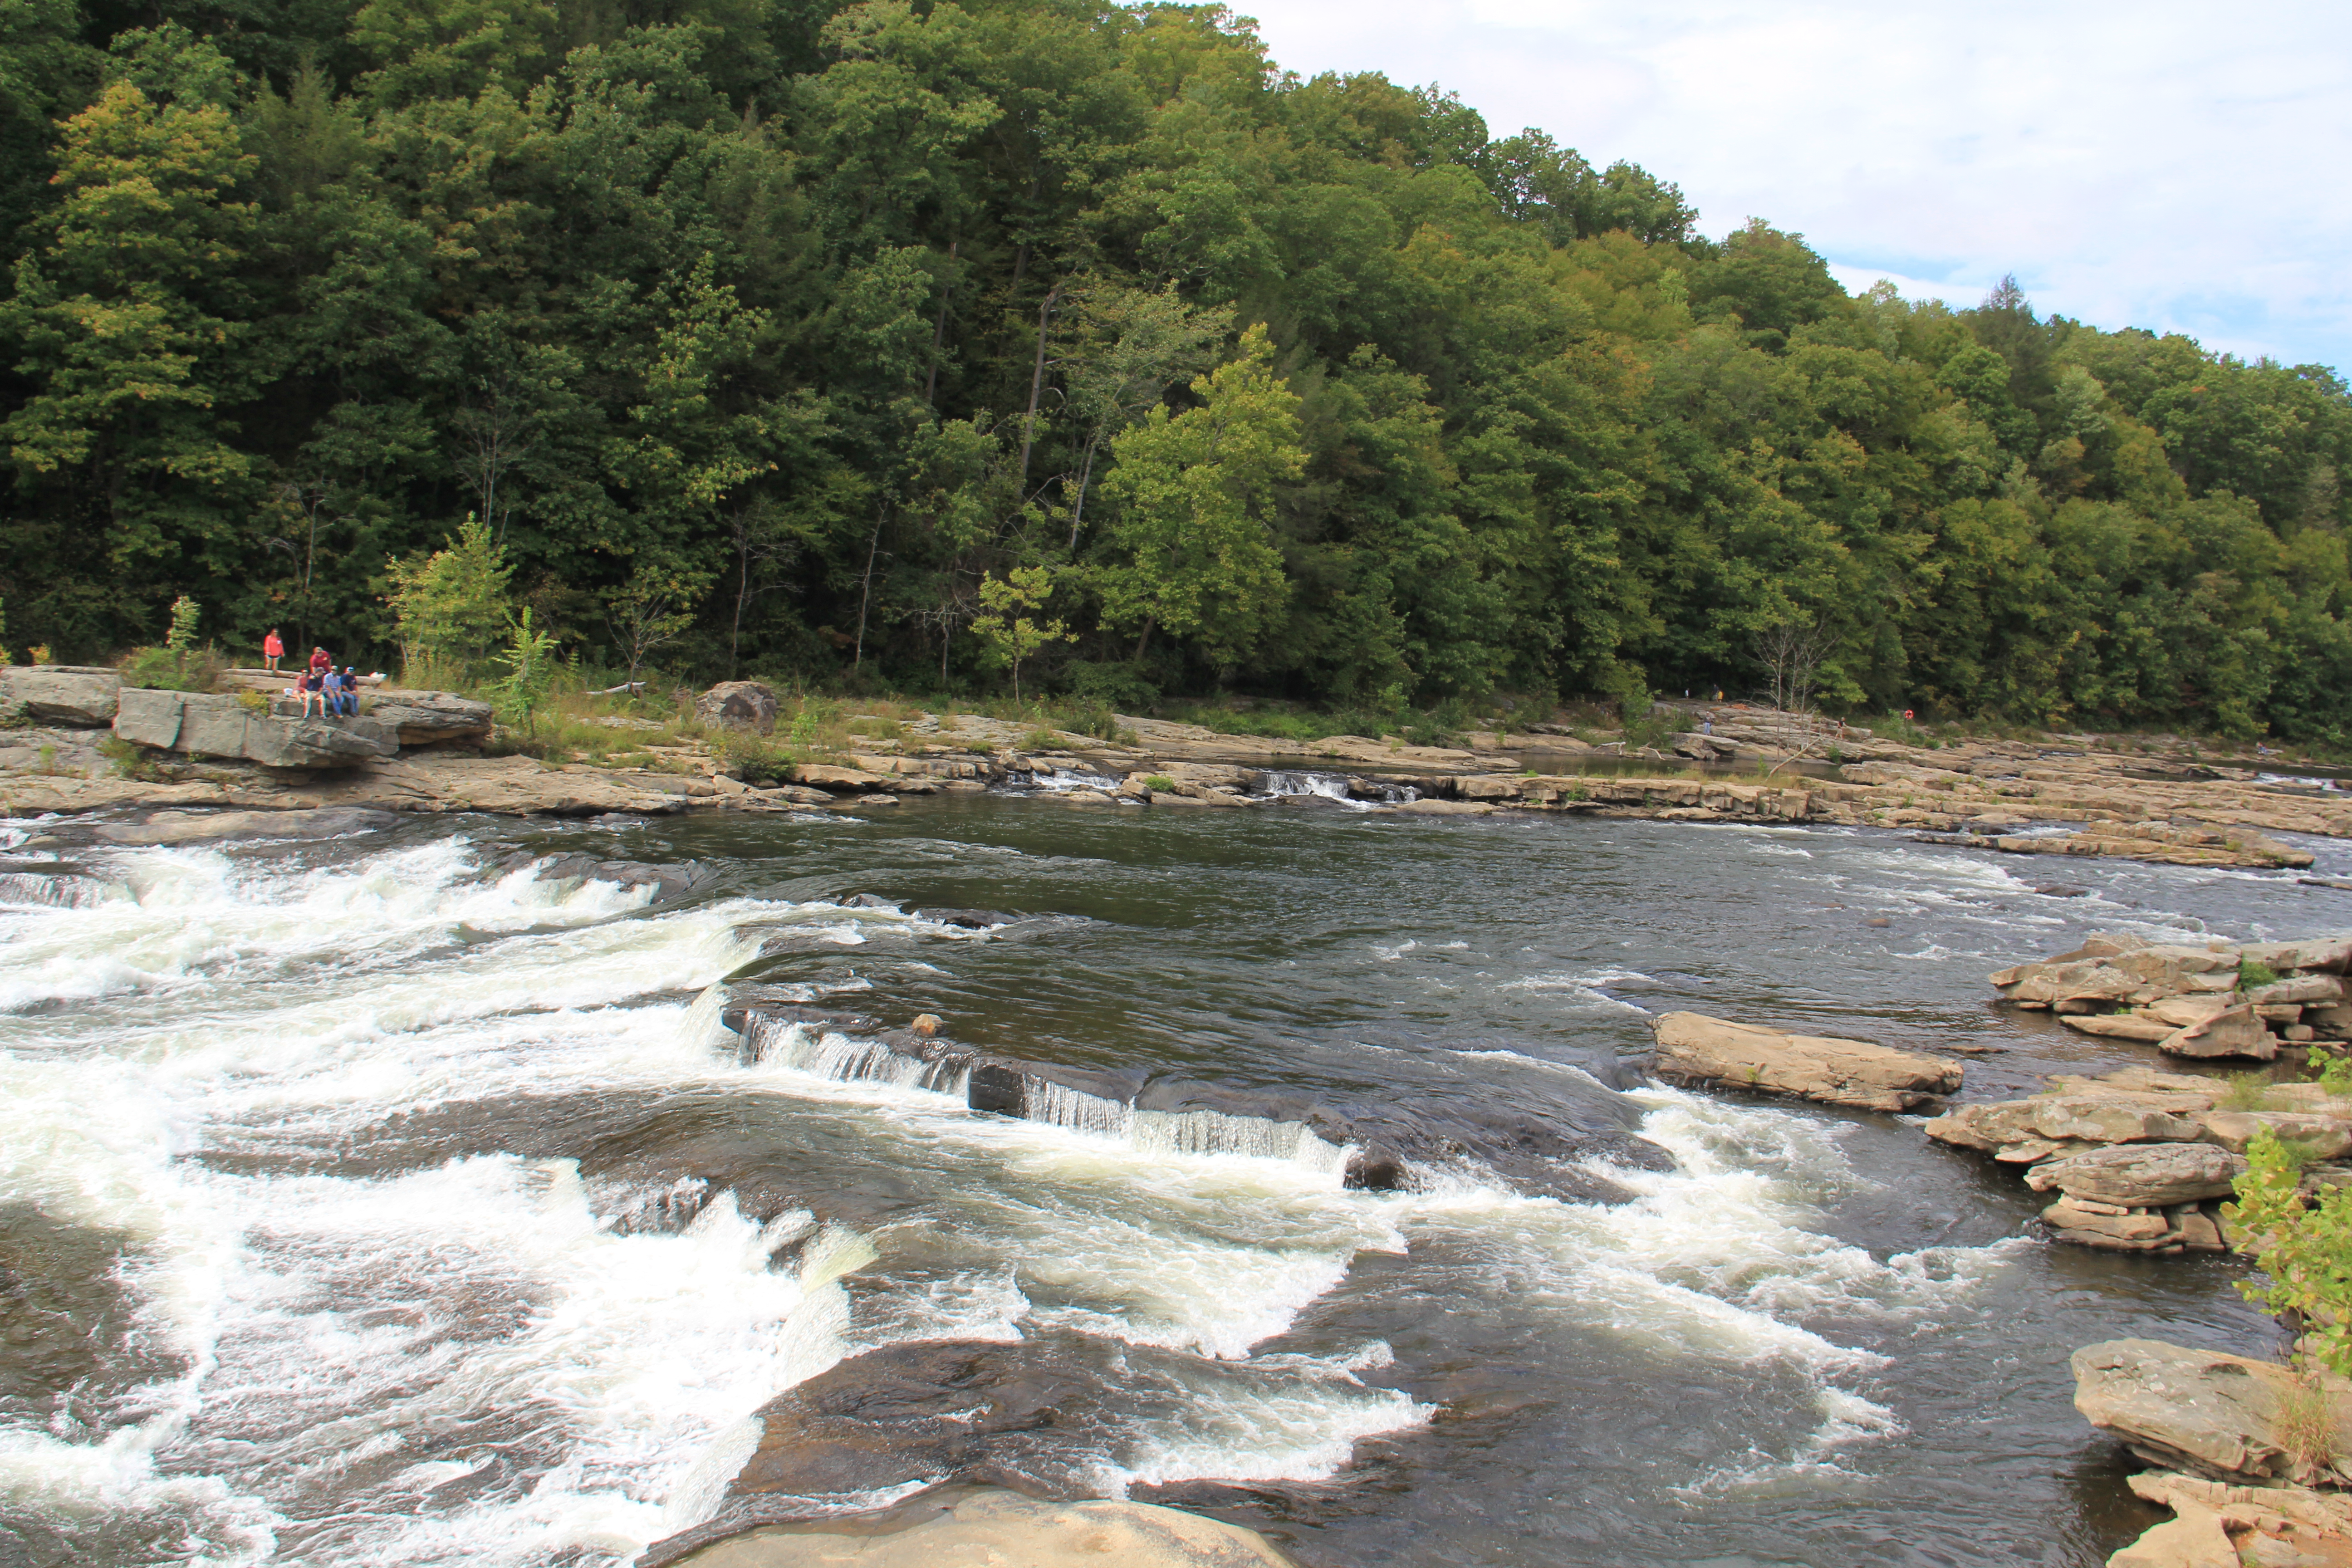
(2225, 1418)
(2191, 1001)
(2216, 1525)
(1695, 1049)
(990, 1525)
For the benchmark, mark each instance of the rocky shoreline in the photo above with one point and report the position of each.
(424, 751)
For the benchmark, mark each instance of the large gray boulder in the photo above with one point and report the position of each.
(80, 696)
(2060, 1118)
(2142, 1175)
(986, 1525)
(2205, 1411)
(737, 705)
(202, 725)
(1694, 1049)
(429, 718)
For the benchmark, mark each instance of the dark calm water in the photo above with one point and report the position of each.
(344, 1188)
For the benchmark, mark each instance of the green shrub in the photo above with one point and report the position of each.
(2250, 1092)
(172, 669)
(1159, 783)
(2253, 974)
(751, 757)
(2304, 1250)
(129, 761)
(1042, 740)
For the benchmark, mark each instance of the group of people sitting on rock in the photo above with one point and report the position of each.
(336, 693)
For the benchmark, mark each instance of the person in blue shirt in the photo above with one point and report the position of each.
(349, 693)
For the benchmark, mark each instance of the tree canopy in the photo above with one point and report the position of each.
(785, 327)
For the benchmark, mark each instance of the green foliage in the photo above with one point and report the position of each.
(185, 614)
(529, 662)
(1159, 783)
(2336, 1077)
(171, 670)
(765, 338)
(753, 758)
(1006, 629)
(2250, 1092)
(450, 606)
(2304, 1250)
(130, 762)
(2253, 974)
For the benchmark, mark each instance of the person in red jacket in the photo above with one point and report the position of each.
(273, 648)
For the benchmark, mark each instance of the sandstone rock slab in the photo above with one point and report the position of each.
(2141, 1176)
(2204, 1411)
(199, 724)
(2233, 1032)
(209, 827)
(80, 696)
(2327, 1137)
(1693, 1048)
(430, 717)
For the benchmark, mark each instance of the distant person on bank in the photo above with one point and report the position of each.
(273, 648)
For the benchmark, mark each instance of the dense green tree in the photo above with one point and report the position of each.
(765, 335)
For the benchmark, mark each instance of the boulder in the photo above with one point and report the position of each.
(737, 705)
(954, 1526)
(1693, 1047)
(2141, 1176)
(2180, 1011)
(2204, 1411)
(2173, 1091)
(80, 696)
(2326, 1137)
(2315, 990)
(428, 718)
(2077, 1118)
(2233, 1032)
(208, 726)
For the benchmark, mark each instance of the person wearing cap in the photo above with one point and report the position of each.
(347, 693)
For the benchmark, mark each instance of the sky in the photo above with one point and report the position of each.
(2182, 167)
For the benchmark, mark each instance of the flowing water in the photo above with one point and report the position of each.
(359, 1205)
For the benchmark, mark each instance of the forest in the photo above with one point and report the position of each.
(938, 344)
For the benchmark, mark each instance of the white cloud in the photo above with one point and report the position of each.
(2164, 164)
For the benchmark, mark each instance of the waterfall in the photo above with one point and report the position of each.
(830, 1054)
(1214, 1133)
(1043, 1100)
(59, 891)
(1334, 786)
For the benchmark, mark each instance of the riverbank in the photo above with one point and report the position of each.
(2000, 797)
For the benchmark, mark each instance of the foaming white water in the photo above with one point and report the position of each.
(1306, 1422)
(605, 1368)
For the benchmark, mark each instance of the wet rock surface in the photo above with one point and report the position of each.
(667, 881)
(209, 827)
(1562, 1150)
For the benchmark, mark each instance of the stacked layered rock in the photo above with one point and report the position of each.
(2191, 1001)
(2141, 1158)
(2249, 1453)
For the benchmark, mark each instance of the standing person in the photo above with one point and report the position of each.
(320, 662)
(273, 648)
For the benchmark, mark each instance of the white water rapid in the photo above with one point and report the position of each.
(385, 1349)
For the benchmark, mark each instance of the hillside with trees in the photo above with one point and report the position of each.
(890, 342)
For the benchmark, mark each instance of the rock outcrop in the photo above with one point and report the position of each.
(2141, 1176)
(208, 726)
(1694, 1049)
(429, 718)
(667, 882)
(79, 697)
(2225, 1418)
(2281, 1526)
(2189, 1001)
(737, 705)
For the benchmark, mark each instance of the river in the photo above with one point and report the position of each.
(360, 1205)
